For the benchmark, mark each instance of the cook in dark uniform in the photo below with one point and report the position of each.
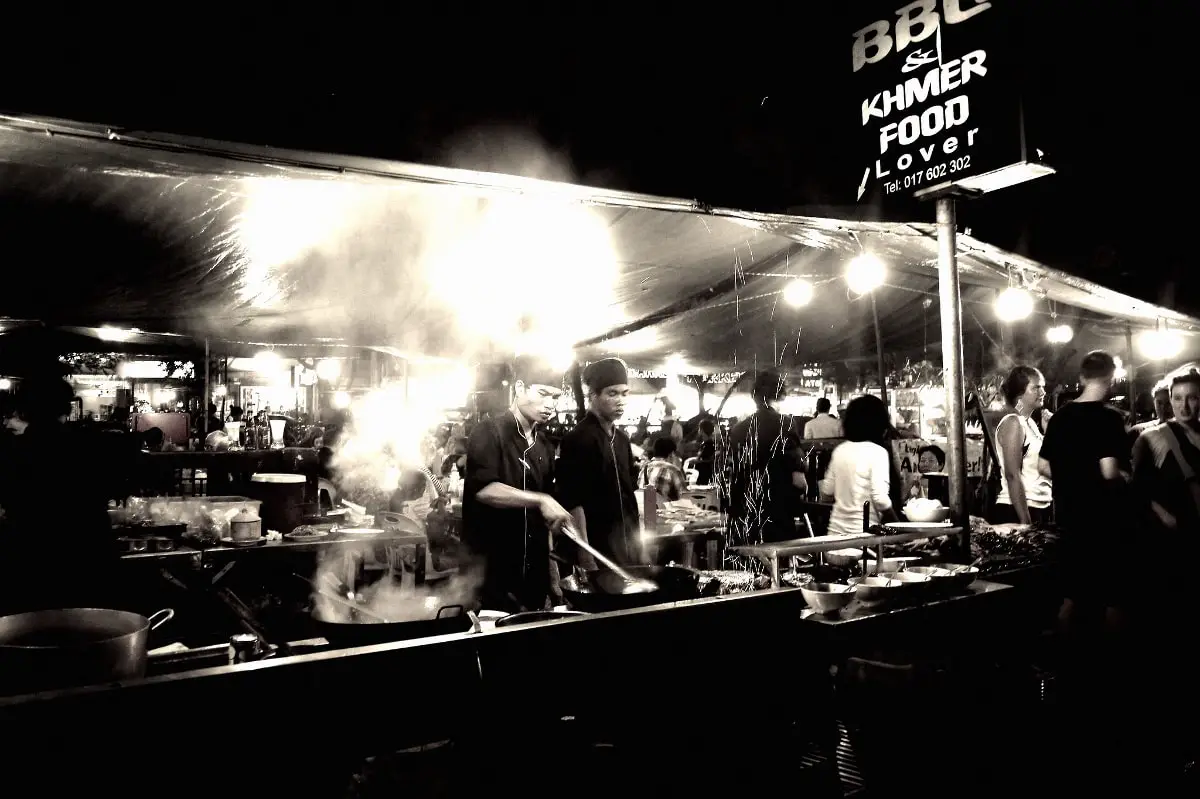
(508, 511)
(46, 521)
(597, 470)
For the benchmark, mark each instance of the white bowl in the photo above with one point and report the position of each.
(827, 597)
(926, 511)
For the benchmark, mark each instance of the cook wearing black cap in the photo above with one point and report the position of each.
(596, 467)
(509, 513)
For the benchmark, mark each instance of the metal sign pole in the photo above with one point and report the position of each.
(952, 360)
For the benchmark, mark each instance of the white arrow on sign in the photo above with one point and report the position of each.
(862, 187)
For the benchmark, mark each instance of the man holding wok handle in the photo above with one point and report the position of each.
(510, 515)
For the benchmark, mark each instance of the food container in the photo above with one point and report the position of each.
(892, 564)
(948, 576)
(879, 589)
(843, 557)
(917, 586)
(282, 496)
(245, 526)
(925, 510)
(827, 597)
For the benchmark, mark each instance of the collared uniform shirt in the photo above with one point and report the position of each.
(515, 542)
(597, 473)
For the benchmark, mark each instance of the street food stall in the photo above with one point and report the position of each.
(702, 647)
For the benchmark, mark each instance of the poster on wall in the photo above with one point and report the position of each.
(937, 97)
(916, 457)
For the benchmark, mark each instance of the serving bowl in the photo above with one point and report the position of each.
(892, 564)
(926, 510)
(957, 578)
(827, 597)
(843, 557)
(880, 589)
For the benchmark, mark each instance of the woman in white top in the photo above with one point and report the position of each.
(860, 469)
(1025, 494)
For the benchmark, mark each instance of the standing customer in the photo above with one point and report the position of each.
(1025, 493)
(1086, 454)
(765, 468)
(860, 469)
(824, 424)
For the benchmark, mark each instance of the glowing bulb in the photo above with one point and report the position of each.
(676, 365)
(1014, 304)
(865, 273)
(268, 362)
(114, 334)
(798, 293)
(329, 369)
(561, 361)
(1060, 334)
(341, 400)
(1161, 345)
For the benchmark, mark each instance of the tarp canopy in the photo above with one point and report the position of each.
(250, 245)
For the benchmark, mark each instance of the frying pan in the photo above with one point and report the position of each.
(602, 590)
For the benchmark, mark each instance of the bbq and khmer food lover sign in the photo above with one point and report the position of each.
(937, 99)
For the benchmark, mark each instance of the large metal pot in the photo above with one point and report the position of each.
(73, 646)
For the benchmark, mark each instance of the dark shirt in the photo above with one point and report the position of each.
(55, 484)
(704, 462)
(763, 453)
(1077, 438)
(597, 473)
(1165, 484)
(514, 542)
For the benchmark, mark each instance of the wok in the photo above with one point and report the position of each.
(602, 590)
(529, 617)
(365, 632)
(73, 646)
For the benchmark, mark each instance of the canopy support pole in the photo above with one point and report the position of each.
(952, 362)
(879, 351)
(1130, 368)
(207, 390)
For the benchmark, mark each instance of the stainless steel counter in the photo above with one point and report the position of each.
(858, 611)
(769, 554)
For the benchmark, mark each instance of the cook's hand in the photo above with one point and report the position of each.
(556, 515)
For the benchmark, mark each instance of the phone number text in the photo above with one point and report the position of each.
(929, 175)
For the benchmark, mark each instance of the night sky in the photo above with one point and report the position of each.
(761, 125)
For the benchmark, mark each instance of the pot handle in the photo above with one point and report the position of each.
(442, 610)
(166, 613)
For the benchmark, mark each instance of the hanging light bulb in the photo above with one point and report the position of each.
(1014, 304)
(798, 293)
(1161, 345)
(329, 369)
(865, 273)
(1060, 334)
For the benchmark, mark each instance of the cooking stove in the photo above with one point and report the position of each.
(207, 657)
